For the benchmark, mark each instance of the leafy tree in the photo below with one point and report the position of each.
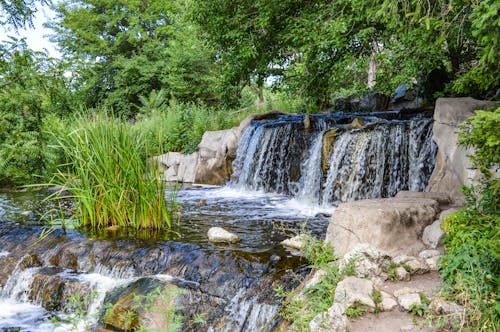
(32, 88)
(18, 13)
(321, 47)
(128, 48)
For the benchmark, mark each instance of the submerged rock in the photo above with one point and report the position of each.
(218, 234)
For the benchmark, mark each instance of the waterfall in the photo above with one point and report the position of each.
(389, 153)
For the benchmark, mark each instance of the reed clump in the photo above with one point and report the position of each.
(109, 176)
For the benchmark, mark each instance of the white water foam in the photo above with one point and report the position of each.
(4, 253)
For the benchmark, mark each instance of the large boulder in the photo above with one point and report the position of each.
(212, 163)
(453, 168)
(394, 225)
(179, 167)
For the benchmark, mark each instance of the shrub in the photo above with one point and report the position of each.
(471, 268)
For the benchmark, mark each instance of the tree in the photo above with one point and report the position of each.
(128, 48)
(323, 47)
(32, 88)
(18, 13)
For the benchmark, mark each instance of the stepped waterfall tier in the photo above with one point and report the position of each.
(326, 160)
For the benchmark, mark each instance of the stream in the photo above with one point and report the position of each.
(288, 176)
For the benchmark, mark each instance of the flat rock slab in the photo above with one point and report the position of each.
(394, 225)
(391, 321)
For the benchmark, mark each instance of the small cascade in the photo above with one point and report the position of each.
(389, 153)
(310, 181)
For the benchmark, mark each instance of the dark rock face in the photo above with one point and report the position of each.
(374, 102)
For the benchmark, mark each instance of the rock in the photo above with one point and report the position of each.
(388, 302)
(212, 164)
(218, 234)
(202, 202)
(354, 290)
(401, 259)
(334, 320)
(327, 146)
(179, 167)
(355, 124)
(429, 253)
(307, 122)
(315, 278)
(417, 266)
(433, 235)
(374, 102)
(406, 98)
(407, 297)
(432, 263)
(453, 168)
(442, 198)
(393, 225)
(53, 292)
(26, 213)
(129, 309)
(295, 242)
(442, 307)
(368, 261)
(346, 104)
(402, 274)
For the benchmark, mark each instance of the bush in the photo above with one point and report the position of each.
(471, 268)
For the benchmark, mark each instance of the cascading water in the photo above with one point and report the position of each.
(316, 160)
(388, 154)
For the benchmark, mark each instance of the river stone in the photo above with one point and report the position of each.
(428, 253)
(432, 263)
(53, 292)
(453, 168)
(295, 242)
(354, 290)
(393, 225)
(402, 274)
(374, 102)
(141, 304)
(218, 234)
(442, 307)
(334, 320)
(355, 124)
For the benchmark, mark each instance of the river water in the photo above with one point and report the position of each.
(261, 220)
(285, 180)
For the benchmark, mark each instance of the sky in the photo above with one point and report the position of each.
(37, 37)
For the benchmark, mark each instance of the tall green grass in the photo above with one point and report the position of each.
(109, 176)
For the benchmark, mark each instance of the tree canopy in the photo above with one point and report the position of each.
(323, 47)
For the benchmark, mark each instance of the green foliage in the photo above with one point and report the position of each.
(18, 13)
(481, 132)
(317, 48)
(33, 96)
(301, 308)
(109, 176)
(356, 310)
(471, 268)
(122, 50)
